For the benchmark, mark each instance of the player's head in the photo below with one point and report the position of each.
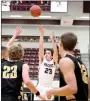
(48, 54)
(77, 53)
(4, 52)
(15, 52)
(68, 42)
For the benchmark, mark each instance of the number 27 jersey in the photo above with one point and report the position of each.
(46, 72)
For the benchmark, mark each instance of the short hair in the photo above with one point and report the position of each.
(51, 50)
(16, 52)
(69, 41)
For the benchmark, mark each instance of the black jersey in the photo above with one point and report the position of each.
(3, 60)
(81, 78)
(11, 77)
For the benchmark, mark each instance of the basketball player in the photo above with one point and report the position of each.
(4, 49)
(46, 64)
(78, 56)
(13, 72)
(74, 80)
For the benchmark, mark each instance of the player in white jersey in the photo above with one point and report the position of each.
(47, 63)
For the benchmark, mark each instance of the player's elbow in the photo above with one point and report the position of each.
(27, 82)
(41, 41)
(73, 89)
(40, 44)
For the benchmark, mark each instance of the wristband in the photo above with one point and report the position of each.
(38, 93)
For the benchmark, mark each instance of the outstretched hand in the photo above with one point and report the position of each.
(18, 31)
(41, 29)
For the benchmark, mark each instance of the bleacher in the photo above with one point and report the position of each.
(26, 5)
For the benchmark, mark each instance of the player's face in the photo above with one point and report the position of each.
(48, 55)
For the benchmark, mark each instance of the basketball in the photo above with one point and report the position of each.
(35, 11)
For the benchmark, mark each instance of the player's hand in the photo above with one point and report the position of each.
(70, 97)
(49, 94)
(52, 36)
(18, 31)
(41, 1)
(21, 1)
(41, 29)
(42, 98)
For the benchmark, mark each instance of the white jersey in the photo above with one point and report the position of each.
(46, 73)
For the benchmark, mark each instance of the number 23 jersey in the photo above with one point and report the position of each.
(11, 77)
(46, 72)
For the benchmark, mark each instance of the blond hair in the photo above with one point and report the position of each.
(15, 52)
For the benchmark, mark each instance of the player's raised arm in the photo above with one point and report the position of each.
(41, 1)
(41, 41)
(55, 54)
(28, 82)
(17, 32)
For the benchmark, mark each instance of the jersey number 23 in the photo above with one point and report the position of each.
(9, 72)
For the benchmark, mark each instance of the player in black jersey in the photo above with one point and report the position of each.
(74, 79)
(78, 56)
(4, 49)
(13, 72)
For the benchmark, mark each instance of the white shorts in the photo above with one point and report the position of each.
(42, 91)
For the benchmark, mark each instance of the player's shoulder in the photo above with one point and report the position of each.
(66, 60)
(3, 60)
(80, 61)
(66, 63)
(19, 63)
(25, 66)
